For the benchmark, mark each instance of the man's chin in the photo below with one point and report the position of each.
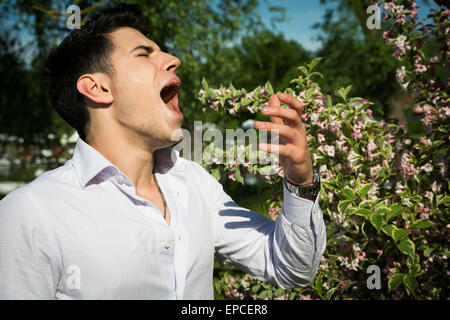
(176, 136)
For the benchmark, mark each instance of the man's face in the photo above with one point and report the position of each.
(145, 88)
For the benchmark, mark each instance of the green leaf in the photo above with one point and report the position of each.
(238, 176)
(399, 234)
(215, 173)
(376, 221)
(347, 90)
(413, 266)
(315, 74)
(341, 93)
(362, 212)
(410, 282)
(328, 102)
(381, 210)
(389, 229)
(303, 70)
(406, 246)
(278, 292)
(364, 189)
(366, 203)
(395, 280)
(422, 224)
(257, 91)
(255, 288)
(309, 93)
(290, 91)
(395, 210)
(445, 201)
(342, 206)
(313, 63)
(210, 92)
(245, 102)
(329, 293)
(329, 185)
(349, 194)
(268, 88)
(262, 295)
(204, 84)
(270, 294)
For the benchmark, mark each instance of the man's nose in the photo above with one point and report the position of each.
(171, 63)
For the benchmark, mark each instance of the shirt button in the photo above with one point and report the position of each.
(167, 244)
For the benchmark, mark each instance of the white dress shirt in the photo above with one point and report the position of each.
(80, 231)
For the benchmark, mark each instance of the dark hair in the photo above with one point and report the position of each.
(86, 50)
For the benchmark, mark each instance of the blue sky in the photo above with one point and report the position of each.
(302, 15)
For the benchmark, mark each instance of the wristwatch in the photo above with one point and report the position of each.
(308, 190)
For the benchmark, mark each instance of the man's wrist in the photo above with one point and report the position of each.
(308, 190)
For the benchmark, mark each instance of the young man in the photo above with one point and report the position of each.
(127, 217)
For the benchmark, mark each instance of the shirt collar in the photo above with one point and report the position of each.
(88, 162)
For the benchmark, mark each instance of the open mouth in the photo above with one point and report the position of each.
(169, 92)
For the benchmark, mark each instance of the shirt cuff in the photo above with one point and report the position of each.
(298, 210)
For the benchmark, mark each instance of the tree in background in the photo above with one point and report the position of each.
(355, 54)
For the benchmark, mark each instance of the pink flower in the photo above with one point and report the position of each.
(215, 105)
(371, 147)
(360, 255)
(327, 149)
(401, 18)
(356, 134)
(420, 68)
(389, 272)
(425, 213)
(231, 176)
(427, 168)
(374, 171)
(273, 213)
(320, 137)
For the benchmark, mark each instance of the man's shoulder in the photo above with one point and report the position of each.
(47, 182)
(196, 169)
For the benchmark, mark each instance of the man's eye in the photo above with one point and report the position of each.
(143, 55)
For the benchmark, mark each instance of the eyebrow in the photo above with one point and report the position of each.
(146, 48)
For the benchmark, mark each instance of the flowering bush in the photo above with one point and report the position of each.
(385, 193)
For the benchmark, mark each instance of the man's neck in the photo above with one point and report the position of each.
(134, 159)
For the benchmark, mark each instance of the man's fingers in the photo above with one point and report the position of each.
(280, 129)
(291, 102)
(277, 149)
(290, 115)
(274, 103)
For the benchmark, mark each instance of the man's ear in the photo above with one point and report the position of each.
(95, 87)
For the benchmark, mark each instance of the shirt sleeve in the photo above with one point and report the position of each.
(26, 270)
(286, 252)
